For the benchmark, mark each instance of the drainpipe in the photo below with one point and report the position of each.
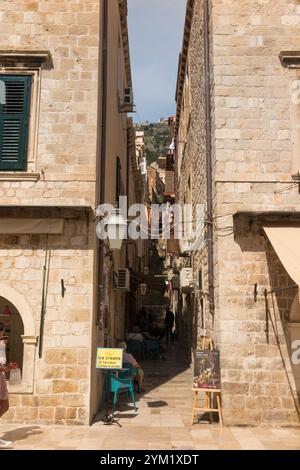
(44, 297)
(104, 54)
(209, 174)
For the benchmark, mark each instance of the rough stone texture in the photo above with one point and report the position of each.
(63, 170)
(254, 155)
(192, 168)
(67, 132)
(61, 380)
(254, 143)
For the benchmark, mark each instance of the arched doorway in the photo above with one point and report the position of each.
(20, 305)
(10, 316)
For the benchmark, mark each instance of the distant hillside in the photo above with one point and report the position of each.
(157, 139)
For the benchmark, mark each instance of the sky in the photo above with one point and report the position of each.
(155, 35)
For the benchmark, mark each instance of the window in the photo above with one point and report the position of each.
(15, 91)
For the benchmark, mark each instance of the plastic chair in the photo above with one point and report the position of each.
(130, 372)
(152, 349)
(136, 349)
(118, 385)
(127, 372)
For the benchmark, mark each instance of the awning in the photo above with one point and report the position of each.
(286, 243)
(27, 226)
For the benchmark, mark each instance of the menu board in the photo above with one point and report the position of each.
(109, 358)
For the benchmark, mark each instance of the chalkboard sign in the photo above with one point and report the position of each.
(207, 369)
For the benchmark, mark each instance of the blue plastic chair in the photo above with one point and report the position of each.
(130, 372)
(127, 372)
(118, 385)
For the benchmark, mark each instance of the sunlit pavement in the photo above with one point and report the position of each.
(161, 423)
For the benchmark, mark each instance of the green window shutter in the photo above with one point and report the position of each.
(14, 121)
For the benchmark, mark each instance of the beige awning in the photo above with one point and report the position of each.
(27, 226)
(286, 243)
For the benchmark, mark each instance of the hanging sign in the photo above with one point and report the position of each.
(207, 369)
(109, 358)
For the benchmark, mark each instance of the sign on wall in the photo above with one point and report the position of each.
(109, 358)
(207, 369)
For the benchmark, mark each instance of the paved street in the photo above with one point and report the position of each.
(162, 422)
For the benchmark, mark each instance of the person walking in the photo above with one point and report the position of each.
(169, 324)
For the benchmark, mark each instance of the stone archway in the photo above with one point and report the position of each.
(21, 304)
(29, 337)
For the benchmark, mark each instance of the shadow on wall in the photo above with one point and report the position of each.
(273, 277)
(281, 306)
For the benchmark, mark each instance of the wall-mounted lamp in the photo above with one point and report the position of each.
(143, 288)
(116, 229)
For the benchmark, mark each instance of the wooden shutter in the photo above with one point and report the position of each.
(14, 121)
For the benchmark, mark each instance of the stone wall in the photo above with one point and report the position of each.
(61, 377)
(192, 172)
(65, 153)
(253, 148)
(257, 380)
(254, 142)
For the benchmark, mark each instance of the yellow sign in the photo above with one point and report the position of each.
(108, 358)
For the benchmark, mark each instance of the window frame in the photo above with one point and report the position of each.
(32, 140)
(24, 120)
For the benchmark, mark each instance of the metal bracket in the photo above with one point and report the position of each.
(63, 289)
(255, 292)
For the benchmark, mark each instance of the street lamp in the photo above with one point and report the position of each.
(143, 288)
(116, 228)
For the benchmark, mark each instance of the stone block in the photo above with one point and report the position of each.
(53, 372)
(78, 372)
(60, 413)
(60, 356)
(46, 413)
(43, 386)
(64, 386)
(235, 388)
(73, 399)
(71, 413)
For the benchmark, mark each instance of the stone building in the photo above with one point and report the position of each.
(65, 147)
(237, 140)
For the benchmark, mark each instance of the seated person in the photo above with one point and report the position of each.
(135, 335)
(129, 359)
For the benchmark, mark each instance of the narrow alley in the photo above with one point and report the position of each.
(149, 225)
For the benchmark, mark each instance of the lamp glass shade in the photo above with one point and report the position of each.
(116, 229)
(143, 288)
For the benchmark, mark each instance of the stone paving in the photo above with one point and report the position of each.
(161, 423)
